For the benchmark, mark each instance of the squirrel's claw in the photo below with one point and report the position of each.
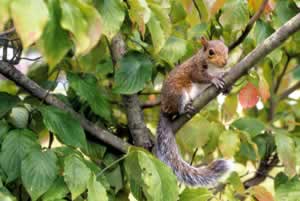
(218, 82)
(189, 109)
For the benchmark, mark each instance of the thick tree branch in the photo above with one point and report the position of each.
(135, 117)
(241, 68)
(33, 88)
(249, 26)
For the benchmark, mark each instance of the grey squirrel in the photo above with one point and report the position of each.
(184, 83)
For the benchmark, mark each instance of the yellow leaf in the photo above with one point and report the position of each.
(261, 194)
(216, 6)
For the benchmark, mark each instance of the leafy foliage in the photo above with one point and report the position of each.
(46, 155)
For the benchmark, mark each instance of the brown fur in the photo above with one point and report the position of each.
(192, 70)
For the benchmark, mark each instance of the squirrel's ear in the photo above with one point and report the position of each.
(204, 42)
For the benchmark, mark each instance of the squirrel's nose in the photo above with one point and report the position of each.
(224, 62)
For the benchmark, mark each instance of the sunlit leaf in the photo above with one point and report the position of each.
(30, 18)
(229, 108)
(113, 14)
(58, 190)
(4, 12)
(198, 194)
(264, 89)
(139, 13)
(55, 41)
(286, 152)
(83, 21)
(96, 191)
(149, 175)
(76, 174)
(229, 143)
(262, 194)
(235, 18)
(248, 96)
(287, 189)
(218, 4)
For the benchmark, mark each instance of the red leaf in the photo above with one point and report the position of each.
(248, 96)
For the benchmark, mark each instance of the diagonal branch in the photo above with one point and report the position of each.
(241, 68)
(249, 26)
(290, 90)
(33, 88)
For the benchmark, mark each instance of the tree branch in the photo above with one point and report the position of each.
(33, 88)
(249, 26)
(290, 90)
(241, 68)
(135, 117)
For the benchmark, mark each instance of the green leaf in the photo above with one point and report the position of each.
(139, 13)
(251, 125)
(83, 21)
(261, 31)
(19, 117)
(197, 30)
(39, 170)
(16, 145)
(58, 190)
(135, 69)
(202, 5)
(30, 18)
(86, 88)
(113, 14)
(55, 41)
(157, 34)
(149, 175)
(64, 126)
(288, 190)
(5, 195)
(96, 191)
(4, 12)
(198, 194)
(76, 175)
(296, 73)
(286, 152)
(236, 18)
(4, 128)
(284, 10)
(229, 108)
(174, 49)
(198, 130)
(229, 143)
(8, 101)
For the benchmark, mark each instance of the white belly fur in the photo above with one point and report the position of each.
(214, 70)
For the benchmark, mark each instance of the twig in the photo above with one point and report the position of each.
(31, 59)
(7, 32)
(193, 157)
(10, 72)
(110, 165)
(249, 26)
(290, 90)
(242, 67)
(150, 104)
(197, 8)
(279, 79)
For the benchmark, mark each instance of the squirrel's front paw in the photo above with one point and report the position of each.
(218, 82)
(189, 109)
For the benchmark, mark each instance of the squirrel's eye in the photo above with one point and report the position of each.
(211, 52)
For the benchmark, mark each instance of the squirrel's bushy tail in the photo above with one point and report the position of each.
(167, 151)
